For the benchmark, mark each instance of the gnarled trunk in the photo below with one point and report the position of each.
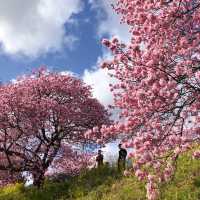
(38, 179)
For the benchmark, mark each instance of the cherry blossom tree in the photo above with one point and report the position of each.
(38, 115)
(70, 162)
(159, 84)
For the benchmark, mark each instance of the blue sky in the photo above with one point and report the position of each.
(63, 35)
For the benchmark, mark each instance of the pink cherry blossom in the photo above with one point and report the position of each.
(158, 89)
(39, 115)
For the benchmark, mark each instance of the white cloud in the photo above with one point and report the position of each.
(70, 73)
(35, 27)
(99, 80)
(109, 24)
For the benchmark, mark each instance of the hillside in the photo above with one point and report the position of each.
(108, 184)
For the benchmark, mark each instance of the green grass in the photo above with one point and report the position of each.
(186, 184)
(108, 184)
(74, 188)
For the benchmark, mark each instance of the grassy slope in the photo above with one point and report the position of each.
(107, 184)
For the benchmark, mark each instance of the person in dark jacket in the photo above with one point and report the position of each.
(122, 158)
(99, 159)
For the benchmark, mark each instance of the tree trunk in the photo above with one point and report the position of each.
(38, 180)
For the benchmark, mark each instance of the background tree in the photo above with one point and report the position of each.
(69, 162)
(40, 113)
(159, 84)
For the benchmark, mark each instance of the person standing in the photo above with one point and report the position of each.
(122, 158)
(99, 159)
